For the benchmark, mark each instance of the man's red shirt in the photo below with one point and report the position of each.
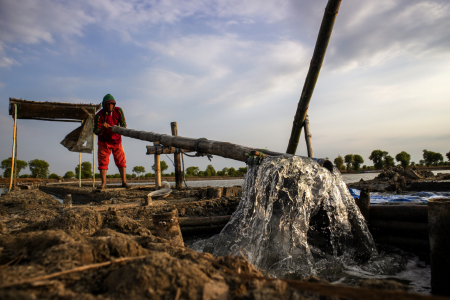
(115, 118)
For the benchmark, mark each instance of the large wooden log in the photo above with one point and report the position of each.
(224, 149)
(164, 150)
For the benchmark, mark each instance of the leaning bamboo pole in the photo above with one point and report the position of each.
(202, 145)
(314, 69)
(13, 148)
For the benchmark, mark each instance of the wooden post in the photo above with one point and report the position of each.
(15, 162)
(157, 170)
(439, 233)
(79, 173)
(320, 49)
(13, 148)
(93, 160)
(308, 138)
(177, 160)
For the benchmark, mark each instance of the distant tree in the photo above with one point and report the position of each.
(163, 165)
(377, 157)
(232, 171)
(24, 176)
(225, 171)
(403, 158)
(38, 168)
(412, 164)
(149, 175)
(339, 161)
(243, 170)
(138, 170)
(6, 165)
(357, 161)
(192, 171)
(448, 155)
(86, 170)
(348, 160)
(207, 173)
(53, 176)
(220, 173)
(212, 171)
(431, 157)
(389, 161)
(421, 162)
(69, 175)
(201, 173)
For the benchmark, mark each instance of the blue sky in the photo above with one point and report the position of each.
(230, 71)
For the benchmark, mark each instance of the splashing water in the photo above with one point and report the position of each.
(293, 216)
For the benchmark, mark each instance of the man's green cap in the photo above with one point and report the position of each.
(108, 98)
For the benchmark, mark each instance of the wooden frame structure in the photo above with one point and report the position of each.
(48, 111)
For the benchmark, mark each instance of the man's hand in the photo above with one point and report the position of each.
(106, 125)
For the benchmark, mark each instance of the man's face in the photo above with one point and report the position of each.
(109, 107)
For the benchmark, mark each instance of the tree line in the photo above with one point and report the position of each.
(382, 159)
(40, 169)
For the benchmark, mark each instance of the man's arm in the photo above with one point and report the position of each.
(123, 123)
(99, 127)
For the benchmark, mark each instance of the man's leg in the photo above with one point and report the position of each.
(103, 175)
(103, 160)
(121, 163)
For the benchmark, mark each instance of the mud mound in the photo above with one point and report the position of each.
(26, 198)
(84, 221)
(393, 173)
(115, 221)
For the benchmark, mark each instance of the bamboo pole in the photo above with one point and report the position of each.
(308, 138)
(15, 160)
(177, 160)
(314, 69)
(93, 160)
(157, 170)
(224, 149)
(79, 172)
(13, 148)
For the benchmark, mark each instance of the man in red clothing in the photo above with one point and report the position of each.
(109, 141)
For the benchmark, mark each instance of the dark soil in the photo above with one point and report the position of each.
(39, 237)
(397, 179)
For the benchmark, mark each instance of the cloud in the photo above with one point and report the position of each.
(370, 34)
(225, 68)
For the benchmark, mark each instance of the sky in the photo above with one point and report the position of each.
(230, 71)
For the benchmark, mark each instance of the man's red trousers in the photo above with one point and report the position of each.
(104, 151)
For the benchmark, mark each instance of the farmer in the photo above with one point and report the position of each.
(108, 141)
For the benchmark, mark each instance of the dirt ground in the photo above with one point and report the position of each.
(83, 252)
(397, 179)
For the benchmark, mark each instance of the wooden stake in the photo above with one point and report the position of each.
(320, 49)
(177, 160)
(79, 173)
(308, 138)
(157, 170)
(93, 160)
(13, 148)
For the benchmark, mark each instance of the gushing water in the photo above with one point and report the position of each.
(295, 215)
